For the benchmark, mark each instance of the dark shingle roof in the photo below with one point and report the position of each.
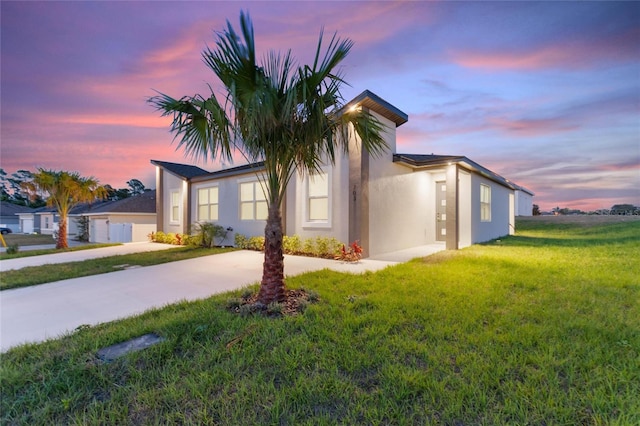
(143, 203)
(10, 209)
(182, 170)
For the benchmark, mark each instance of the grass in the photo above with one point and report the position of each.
(33, 275)
(25, 240)
(539, 328)
(28, 239)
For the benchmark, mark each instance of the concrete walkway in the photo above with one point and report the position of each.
(80, 255)
(37, 313)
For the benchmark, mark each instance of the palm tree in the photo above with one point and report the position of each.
(289, 117)
(65, 190)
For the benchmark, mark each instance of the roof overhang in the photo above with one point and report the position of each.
(373, 102)
(427, 162)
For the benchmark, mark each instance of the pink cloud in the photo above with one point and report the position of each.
(579, 53)
(531, 127)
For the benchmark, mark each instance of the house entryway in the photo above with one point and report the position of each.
(441, 211)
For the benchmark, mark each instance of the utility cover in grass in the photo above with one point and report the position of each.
(113, 352)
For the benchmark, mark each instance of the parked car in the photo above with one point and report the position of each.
(4, 230)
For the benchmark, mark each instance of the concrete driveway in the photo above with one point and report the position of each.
(38, 313)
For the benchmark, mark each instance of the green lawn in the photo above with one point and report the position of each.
(539, 328)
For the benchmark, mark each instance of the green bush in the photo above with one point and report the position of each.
(256, 243)
(324, 247)
(208, 234)
(170, 238)
(240, 241)
(292, 244)
(13, 249)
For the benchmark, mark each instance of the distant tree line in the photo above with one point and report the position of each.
(13, 189)
(616, 209)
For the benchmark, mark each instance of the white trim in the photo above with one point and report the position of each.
(174, 220)
(485, 203)
(209, 204)
(318, 224)
(256, 184)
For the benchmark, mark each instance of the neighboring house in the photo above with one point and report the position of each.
(9, 216)
(42, 220)
(524, 201)
(390, 203)
(131, 219)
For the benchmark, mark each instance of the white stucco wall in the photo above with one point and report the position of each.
(524, 203)
(228, 206)
(296, 209)
(172, 183)
(500, 210)
(465, 210)
(401, 213)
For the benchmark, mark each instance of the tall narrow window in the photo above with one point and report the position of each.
(253, 203)
(208, 204)
(175, 206)
(485, 203)
(318, 197)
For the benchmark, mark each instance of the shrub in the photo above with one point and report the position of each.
(240, 241)
(13, 249)
(256, 243)
(308, 246)
(292, 244)
(352, 254)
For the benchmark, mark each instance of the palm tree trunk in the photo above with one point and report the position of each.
(62, 234)
(272, 288)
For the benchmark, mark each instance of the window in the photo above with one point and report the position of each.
(318, 197)
(253, 203)
(208, 204)
(175, 206)
(485, 203)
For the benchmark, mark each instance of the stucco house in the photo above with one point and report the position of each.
(390, 203)
(42, 220)
(9, 215)
(127, 220)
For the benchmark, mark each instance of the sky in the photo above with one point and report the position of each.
(546, 94)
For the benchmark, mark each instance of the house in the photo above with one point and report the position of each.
(389, 203)
(9, 215)
(127, 220)
(42, 220)
(524, 201)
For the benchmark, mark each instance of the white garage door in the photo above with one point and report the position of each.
(26, 226)
(99, 232)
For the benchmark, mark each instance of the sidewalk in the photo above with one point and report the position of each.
(76, 256)
(37, 313)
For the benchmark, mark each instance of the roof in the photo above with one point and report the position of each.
(422, 161)
(182, 170)
(143, 203)
(10, 209)
(238, 170)
(370, 100)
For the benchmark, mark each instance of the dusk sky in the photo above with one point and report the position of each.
(547, 94)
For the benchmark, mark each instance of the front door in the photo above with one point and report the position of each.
(441, 211)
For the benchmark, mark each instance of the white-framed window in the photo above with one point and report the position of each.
(253, 203)
(318, 197)
(208, 204)
(174, 212)
(485, 203)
